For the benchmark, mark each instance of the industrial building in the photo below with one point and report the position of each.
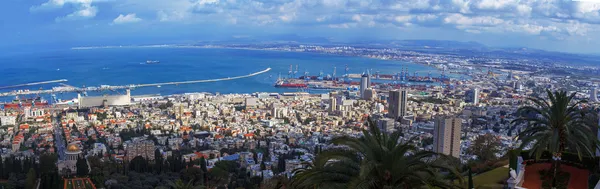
(104, 101)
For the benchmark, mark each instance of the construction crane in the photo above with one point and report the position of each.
(295, 72)
(333, 75)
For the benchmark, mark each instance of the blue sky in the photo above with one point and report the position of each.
(559, 25)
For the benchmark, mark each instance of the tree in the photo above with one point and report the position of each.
(485, 147)
(30, 181)
(194, 175)
(280, 164)
(158, 161)
(138, 164)
(13, 181)
(222, 173)
(82, 167)
(2, 170)
(204, 169)
(49, 172)
(470, 180)
(180, 185)
(277, 182)
(263, 166)
(375, 160)
(255, 157)
(557, 124)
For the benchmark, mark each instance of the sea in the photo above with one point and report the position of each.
(127, 65)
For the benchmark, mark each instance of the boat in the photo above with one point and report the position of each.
(286, 84)
(152, 61)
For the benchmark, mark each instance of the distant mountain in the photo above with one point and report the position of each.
(475, 49)
(439, 44)
(468, 49)
(282, 39)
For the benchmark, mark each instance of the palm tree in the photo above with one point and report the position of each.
(180, 185)
(277, 182)
(556, 124)
(375, 160)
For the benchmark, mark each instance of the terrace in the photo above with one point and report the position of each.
(78, 183)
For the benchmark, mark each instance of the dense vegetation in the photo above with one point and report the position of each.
(557, 125)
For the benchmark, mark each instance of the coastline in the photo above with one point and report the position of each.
(246, 48)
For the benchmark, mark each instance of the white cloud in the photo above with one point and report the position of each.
(168, 16)
(524, 10)
(287, 17)
(356, 18)
(403, 18)
(495, 4)
(342, 26)
(525, 17)
(426, 17)
(83, 8)
(460, 19)
(129, 18)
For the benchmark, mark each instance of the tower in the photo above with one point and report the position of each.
(473, 96)
(364, 81)
(333, 75)
(397, 102)
(594, 95)
(332, 104)
(446, 136)
(368, 79)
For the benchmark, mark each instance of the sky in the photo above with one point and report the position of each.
(557, 25)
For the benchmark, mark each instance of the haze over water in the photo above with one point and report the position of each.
(123, 66)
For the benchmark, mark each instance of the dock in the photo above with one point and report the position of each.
(68, 88)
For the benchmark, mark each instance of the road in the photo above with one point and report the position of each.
(58, 138)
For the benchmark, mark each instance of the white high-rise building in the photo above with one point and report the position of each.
(446, 136)
(368, 79)
(473, 96)
(397, 103)
(332, 104)
(364, 82)
(593, 95)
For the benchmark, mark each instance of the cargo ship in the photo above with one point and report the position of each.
(285, 84)
(152, 61)
(18, 103)
(419, 79)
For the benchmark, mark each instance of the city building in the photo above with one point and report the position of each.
(370, 94)
(332, 104)
(397, 102)
(33, 112)
(8, 120)
(386, 124)
(143, 148)
(364, 81)
(104, 101)
(446, 136)
(68, 166)
(251, 103)
(472, 96)
(73, 152)
(594, 95)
